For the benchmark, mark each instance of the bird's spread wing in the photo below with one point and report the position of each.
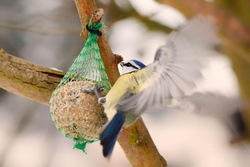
(176, 67)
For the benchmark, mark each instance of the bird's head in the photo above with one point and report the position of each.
(131, 66)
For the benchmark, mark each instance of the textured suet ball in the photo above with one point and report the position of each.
(75, 113)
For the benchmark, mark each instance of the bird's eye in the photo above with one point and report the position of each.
(130, 65)
(122, 64)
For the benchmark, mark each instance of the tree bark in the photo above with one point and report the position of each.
(24, 78)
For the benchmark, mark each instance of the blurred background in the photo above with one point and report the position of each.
(47, 33)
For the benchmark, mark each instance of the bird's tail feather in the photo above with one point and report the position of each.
(111, 132)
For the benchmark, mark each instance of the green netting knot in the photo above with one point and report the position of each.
(81, 145)
(75, 113)
(94, 29)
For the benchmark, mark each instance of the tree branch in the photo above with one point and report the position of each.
(23, 78)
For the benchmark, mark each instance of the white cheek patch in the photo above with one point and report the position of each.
(126, 70)
(120, 69)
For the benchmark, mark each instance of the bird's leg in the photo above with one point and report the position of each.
(96, 91)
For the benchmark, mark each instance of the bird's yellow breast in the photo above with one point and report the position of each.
(125, 86)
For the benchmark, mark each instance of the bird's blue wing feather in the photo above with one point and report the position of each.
(110, 134)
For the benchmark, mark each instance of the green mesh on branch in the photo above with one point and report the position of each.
(75, 113)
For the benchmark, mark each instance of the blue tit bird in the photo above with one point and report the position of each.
(176, 67)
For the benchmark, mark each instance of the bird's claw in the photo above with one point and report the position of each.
(96, 90)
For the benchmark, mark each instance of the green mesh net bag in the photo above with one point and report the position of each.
(74, 112)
